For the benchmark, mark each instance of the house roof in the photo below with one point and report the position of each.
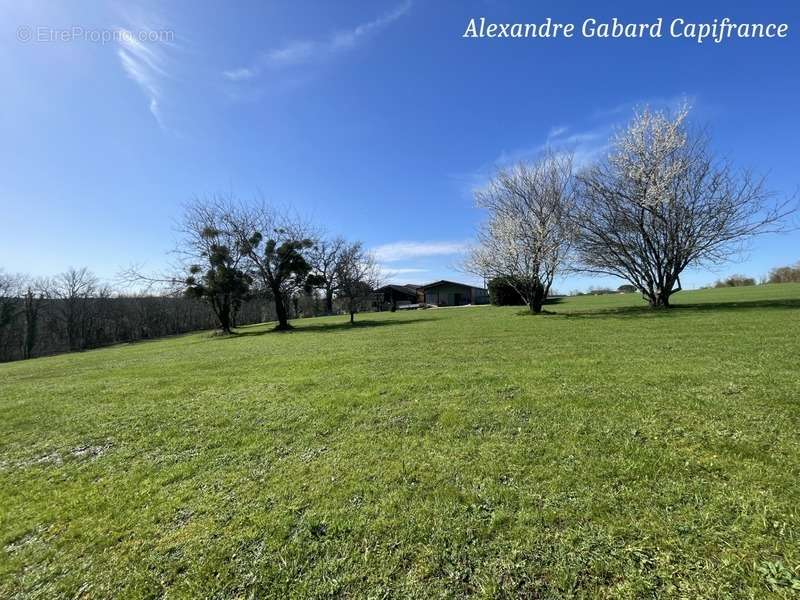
(442, 282)
(403, 289)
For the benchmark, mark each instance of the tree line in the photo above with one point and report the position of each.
(74, 311)
(658, 203)
(238, 264)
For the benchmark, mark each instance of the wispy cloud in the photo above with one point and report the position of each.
(306, 51)
(410, 250)
(585, 146)
(587, 142)
(240, 74)
(394, 274)
(145, 62)
(625, 109)
(400, 270)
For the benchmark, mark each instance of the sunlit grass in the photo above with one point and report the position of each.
(601, 450)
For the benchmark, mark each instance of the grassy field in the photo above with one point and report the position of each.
(602, 450)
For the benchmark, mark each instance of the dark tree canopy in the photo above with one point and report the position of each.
(221, 283)
(503, 293)
(282, 267)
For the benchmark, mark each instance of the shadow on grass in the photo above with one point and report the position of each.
(682, 309)
(549, 302)
(545, 313)
(327, 327)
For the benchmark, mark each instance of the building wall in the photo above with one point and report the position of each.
(444, 295)
(480, 296)
(395, 296)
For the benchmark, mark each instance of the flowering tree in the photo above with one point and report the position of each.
(527, 237)
(661, 202)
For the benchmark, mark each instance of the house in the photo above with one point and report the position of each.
(398, 296)
(451, 293)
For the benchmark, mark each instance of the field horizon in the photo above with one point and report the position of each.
(601, 449)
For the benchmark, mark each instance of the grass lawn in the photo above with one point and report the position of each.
(599, 451)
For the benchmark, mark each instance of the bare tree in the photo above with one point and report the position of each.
(72, 312)
(662, 202)
(9, 309)
(526, 240)
(358, 277)
(73, 289)
(9, 291)
(785, 274)
(324, 257)
(33, 298)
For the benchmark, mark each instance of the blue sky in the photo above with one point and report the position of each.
(376, 119)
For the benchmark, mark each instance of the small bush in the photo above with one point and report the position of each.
(626, 288)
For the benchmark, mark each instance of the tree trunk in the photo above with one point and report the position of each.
(659, 297)
(280, 311)
(352, 317)
(329, 302)
(536, 300)
(31, 324)
(30, 335)
(224, 315)
(659, 300)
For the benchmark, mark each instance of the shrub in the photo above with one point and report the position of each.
(735, 281)
(502, 293)
(626, 288)
(785, 274)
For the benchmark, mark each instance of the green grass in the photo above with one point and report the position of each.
(600, 451)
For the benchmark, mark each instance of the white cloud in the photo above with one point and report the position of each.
(389, 274)
(557, 131)
(239, 74)
(387, 270)
(586, 144)
(409, 250)
(346, 39)
(625, 110)
(146, 64)
(305, 51)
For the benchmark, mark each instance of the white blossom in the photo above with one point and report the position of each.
(527, 236)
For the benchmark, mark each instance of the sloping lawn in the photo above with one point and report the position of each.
(603, 450)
